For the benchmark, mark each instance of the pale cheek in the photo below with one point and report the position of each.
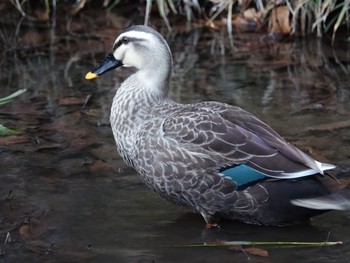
(118, 54)
(131, 59)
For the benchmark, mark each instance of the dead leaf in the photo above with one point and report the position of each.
(81, 140)
(212, 25)
(42, 15)
(32, 38)
(36, 246)
(255, 251)
(48, 146)
(330, 126)
(279, 20)
(242, 23)
(71, 101)
(64, 123)
(14, 139)
(92, 112)
(102, 166)
(24, 231)
(252, 14)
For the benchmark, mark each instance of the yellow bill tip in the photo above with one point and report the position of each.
(90, 75)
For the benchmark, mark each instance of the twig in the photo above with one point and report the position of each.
(264, 243)
(87, 99)
(49, 250)
(7, 240)
(9, 198)
(243, 250)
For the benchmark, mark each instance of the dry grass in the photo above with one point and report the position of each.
(307, 17)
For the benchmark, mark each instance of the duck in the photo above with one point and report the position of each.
(216, 159)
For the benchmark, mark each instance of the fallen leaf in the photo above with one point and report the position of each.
(9, 140)
(92, 112)
(212, 25)
(279, 20)
(242, 23)
(255, 251)
(64, 123)
(42, 15)
(24, 231)
(252, 14)
(36, 246)
(102, 165)
(82, 140)
(330, 126)
(32, 38)
(71, 101)
(48, 146)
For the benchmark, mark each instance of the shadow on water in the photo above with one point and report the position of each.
(66, 196)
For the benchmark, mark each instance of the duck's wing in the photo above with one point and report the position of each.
(238, 142)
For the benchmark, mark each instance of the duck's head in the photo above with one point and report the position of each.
(138, 46)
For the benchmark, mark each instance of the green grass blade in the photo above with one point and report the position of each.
(10, 97)
(340, 18)
(162, 12)
(111, 6)
(172, 6)
(4, 131)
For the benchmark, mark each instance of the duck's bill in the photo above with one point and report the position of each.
(106, 65)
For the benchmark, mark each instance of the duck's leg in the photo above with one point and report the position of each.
(212, 226)
(212, 221)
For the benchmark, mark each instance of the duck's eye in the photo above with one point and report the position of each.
(125, 40)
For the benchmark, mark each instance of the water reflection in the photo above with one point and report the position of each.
(73, 199)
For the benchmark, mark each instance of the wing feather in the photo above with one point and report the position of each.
(233, 136)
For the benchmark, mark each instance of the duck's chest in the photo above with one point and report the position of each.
(133, 108)
(127, 119)
(124, 133)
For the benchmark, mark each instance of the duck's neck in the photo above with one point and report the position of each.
(132, 106)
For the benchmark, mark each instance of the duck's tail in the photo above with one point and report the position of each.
(334, 201)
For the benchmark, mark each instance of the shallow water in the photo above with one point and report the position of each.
(66, 196)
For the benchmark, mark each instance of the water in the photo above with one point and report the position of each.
(66, 196)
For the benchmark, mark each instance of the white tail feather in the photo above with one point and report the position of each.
(329, 202)
(307, 172)
(327, 166)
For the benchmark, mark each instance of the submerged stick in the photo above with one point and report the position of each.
(7, 240)
(263, 243)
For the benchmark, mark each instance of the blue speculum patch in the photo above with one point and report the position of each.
(242, 175)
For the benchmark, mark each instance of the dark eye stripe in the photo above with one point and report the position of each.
(116, 45)
(123, 40)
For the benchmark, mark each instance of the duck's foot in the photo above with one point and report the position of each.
(214, 226)
(211, 220)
